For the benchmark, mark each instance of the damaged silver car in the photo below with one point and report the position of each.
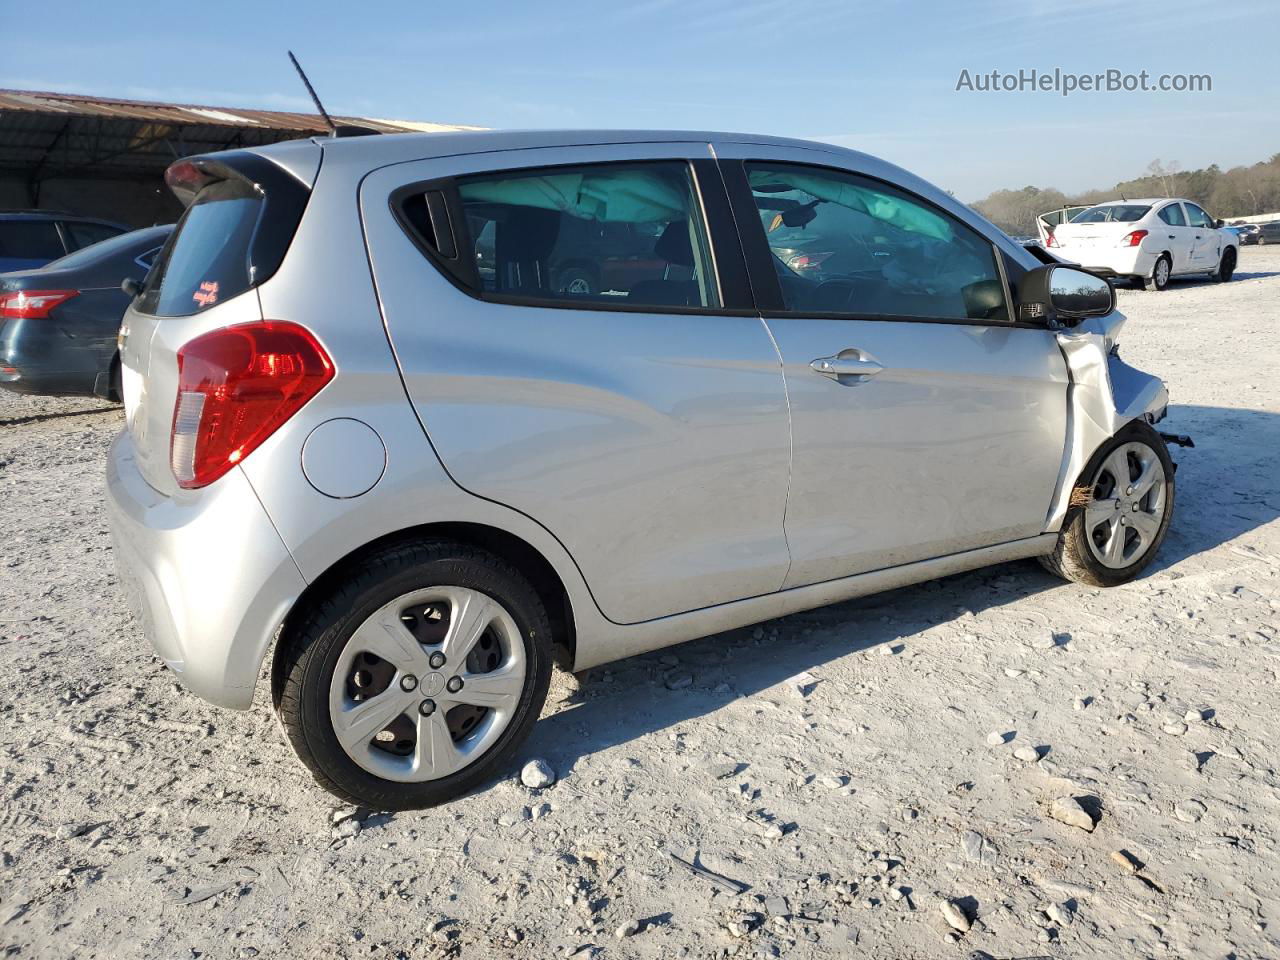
(411, 417)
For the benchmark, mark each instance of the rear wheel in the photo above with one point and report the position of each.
(413, 681)
(1160, 273)
(1226, 265)
(1127, 503)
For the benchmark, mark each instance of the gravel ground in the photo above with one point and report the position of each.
(907, 786)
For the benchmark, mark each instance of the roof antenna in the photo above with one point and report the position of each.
(335, 130)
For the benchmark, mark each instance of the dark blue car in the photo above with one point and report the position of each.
(58, 324)
(32, 238)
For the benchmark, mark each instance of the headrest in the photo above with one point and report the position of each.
(673, 246)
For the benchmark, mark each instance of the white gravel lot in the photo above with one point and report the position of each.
(138, 821)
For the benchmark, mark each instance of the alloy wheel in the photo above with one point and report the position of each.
(427, 684)
(1162, 272)
(1122, 521)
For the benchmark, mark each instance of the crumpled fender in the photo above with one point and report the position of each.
(1105, 394)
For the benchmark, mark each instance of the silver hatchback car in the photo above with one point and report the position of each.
(412, 417)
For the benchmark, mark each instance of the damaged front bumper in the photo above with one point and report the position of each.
(1105, 395)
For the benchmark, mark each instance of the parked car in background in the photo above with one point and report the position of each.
(32, 238)
(410, 479)
(1268, 233)
(1148, 241)
(1248, 233)
(58, 324)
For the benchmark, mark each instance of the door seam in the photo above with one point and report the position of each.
(791, 449)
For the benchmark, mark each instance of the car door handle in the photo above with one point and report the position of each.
(1172, 237)
(855, 365)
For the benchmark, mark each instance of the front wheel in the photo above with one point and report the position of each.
(413, 681)
(1226, 265)
(1123, 505)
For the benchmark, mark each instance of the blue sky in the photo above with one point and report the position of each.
(880, 77)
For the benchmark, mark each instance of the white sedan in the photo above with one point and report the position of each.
(1147, 241)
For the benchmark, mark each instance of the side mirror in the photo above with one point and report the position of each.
(1217, 224)
(1062, 296)
(131, 287)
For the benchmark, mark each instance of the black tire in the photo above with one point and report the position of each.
(310, 648)
(578, 281)
(1226, 265)
(1153, 282)
(1071, 558)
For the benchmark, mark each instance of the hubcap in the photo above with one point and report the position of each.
(1124, 516)
(401, 717)
(1162, 272)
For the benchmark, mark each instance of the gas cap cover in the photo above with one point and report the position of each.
(343, 458)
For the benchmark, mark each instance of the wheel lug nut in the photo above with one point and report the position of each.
(454, 684)
(408, 682)
(427, 707)
(436, 660)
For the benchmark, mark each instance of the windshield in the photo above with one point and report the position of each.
(140, 240)
(1113, 213)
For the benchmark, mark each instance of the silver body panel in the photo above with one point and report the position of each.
(681, 474)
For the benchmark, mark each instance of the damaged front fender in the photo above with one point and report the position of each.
(1104, 396)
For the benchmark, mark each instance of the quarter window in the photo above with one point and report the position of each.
(629, 235)
(850, 245)
(1172, 215)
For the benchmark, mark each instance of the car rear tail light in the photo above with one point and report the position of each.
(808, 261)
(1133, 239)
(236, 386)
(32, 304)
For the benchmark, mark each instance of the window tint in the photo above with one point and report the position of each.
(607, 234)
(81, 234)
(846, 244)
(206, 259)
(1113, 213)
(1197, 217)
(1172, 215)
(30, 240)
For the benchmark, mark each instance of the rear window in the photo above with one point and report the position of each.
(95, 252)
(207, 259)
(30, 240)
(1113, 213)
(82, 234)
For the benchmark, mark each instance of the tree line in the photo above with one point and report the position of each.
(1238, 192)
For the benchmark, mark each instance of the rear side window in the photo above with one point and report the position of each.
(207, 258)
(1172, 215)
(81, 234)
(1197, 217)
(30, 240)
(627, 235)
(849, 245)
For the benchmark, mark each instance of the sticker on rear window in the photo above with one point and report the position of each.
(207, 293)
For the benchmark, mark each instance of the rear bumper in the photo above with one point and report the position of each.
(45, 361)
(1112, 261)
(208, 576)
